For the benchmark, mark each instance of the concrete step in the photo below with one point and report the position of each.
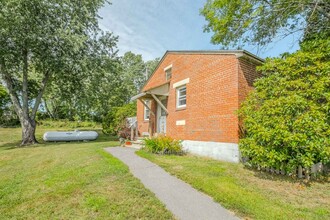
(138, 141)
(138, 144)
(134, 145)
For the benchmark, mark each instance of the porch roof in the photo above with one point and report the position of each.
(138, 96)
(162, 90)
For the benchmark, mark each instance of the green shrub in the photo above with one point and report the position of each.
(163, 145)
(286, 120)
(115, 119)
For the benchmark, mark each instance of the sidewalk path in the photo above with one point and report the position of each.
(179, 197)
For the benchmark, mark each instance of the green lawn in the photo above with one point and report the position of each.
(69, 181)
(250, 194)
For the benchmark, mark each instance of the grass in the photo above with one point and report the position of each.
(77, 180)
(250, 194)
(68, 124)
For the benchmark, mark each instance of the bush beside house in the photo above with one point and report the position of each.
(115, 121)
(286, 120)
(163, 145)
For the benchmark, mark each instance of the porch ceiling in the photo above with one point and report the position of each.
(162, 90)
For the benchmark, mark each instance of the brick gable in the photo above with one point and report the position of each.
(217, 85)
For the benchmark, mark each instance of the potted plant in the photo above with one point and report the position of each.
(124, 136)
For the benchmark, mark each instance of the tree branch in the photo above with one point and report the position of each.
(47, 109)
(322, 11)
(41, 92)
(9, 85)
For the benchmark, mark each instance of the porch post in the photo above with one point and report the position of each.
(150, 128)
(136, 129)
(132, 133)
(159, 103)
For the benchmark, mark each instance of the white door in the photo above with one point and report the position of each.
(161, 118)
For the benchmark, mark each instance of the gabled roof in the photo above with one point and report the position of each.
(237, 53)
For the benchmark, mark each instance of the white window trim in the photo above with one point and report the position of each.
(181, 83)
(178, 97)
(168, 67)
(145, 111)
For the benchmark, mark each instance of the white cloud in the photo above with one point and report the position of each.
(150, 27)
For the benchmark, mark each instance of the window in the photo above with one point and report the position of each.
(181, 97)
(146, 110)
(168, 74)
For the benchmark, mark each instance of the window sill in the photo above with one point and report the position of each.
(145, 121)
(181, 108)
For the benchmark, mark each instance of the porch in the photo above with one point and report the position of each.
(155, 112)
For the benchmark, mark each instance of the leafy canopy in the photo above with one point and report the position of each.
(287, 118)
(4, 98)
(48, 41)
(236, 22)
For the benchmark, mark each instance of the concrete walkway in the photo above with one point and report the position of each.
(179, 197)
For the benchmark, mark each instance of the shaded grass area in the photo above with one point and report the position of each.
(63, 123)
(11, 137)
(250, 194)
(75, 180)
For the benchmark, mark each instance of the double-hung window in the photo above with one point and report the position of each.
(146, 110)
(181, 97)
(168, 74)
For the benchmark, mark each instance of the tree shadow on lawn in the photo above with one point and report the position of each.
(290, 179)
(16, 144)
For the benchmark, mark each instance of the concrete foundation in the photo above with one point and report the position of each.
(216, 150)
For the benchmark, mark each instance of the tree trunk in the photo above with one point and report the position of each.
(28, 132)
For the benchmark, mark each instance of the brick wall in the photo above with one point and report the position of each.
(246, 77)
(146, 125)
(213, 96)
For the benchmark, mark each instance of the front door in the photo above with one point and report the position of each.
(161, 118)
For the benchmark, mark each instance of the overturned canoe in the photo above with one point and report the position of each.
(70, 135)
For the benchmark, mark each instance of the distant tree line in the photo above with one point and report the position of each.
(97, 94)
(90, 98)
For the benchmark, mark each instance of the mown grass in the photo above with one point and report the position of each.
(77, 180)
(250, 194)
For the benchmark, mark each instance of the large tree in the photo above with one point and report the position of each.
(43, 40)
(135, 72)
(151, 66)
(236, 22)
(110, 82)
(90, 94)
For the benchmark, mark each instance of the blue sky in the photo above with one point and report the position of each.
(150, 27)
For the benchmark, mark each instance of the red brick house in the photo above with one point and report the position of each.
(193, 96)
